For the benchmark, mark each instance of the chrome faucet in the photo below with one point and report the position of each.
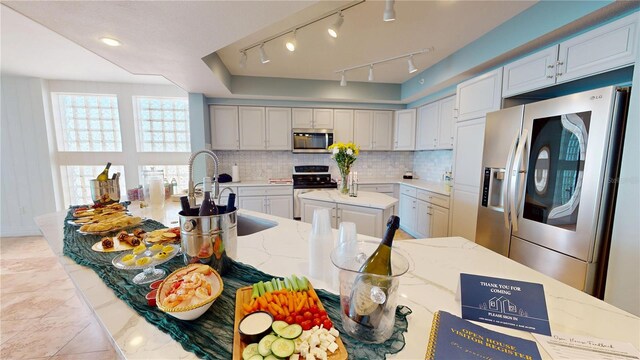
(216, 185)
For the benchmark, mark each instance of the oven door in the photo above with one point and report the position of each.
(312, 140)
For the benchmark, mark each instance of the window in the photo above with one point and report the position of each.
(77, 190)
(88, 122)
(163, 124)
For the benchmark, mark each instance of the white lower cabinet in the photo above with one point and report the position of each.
(277, 201)
(423, 214)
(369, 221)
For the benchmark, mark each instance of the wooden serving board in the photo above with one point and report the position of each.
(243, 295)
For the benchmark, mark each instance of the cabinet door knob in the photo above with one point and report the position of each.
(551, 66)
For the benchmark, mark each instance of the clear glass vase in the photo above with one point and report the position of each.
(344, 184)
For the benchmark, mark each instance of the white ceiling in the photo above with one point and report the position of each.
(170, 38)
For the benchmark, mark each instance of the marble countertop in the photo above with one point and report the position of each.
(364, 198)
(430, 285)
(433, 186)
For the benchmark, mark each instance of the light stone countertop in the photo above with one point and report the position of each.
(430, 285)
(436, 187)
(365, 198)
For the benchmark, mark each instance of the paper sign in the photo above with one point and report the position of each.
(565, 346)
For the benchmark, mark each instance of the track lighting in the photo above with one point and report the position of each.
(243, 59)
(389, 12)
(333, 29)
(412, 66)
(263, 55)
(291, 43)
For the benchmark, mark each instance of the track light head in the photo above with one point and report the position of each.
(412, 66)
(389, 11)
(263, 55)
(333, 29)
(291, 42)
(243, 59)
(371, 72)
(343, 79)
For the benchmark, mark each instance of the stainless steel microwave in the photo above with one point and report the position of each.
(312, 140)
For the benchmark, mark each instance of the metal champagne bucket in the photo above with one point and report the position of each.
(209, 240)
(105, 192)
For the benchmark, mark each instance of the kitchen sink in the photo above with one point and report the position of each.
(248, 225)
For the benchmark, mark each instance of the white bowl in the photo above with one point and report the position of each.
(191, 312)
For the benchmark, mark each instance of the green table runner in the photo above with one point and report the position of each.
(211, 335)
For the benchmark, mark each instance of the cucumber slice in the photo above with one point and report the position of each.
(264, 346)
(255, 292)
(271, 357)
(256, 357)
(261, 288)
(283, 347)
(278, 325)
(291, 332)
(294, 283)
(268, 287)
(249, 351)
(287, 284)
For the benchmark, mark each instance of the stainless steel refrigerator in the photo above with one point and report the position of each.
(549, 184)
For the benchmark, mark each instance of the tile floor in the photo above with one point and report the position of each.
(34, 324)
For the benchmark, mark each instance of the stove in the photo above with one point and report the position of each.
(309, 178)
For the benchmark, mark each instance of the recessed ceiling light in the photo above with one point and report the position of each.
(110, 41)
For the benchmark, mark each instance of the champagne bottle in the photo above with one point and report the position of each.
(104, 175)
(208, 206)
(369, 294)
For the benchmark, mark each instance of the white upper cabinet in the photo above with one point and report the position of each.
(435, 125)
(363, 129)
(224, 127)
(323, 118)
(532, 72)
(278, 128)
(252, 128)
(446, 123)
(382, 130)
(404, 130)
(302, 118)
(373, 129)
(478, 96)
(427, 129)
(264, 129)
(343, 125)
(606, 48)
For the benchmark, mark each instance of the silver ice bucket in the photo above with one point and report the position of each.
(105, 192)
(209, 240)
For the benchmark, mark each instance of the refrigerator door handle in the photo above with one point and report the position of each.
(516, 189)
(505, 188)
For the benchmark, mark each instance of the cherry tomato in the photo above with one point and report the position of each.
(323, 318)
(314, 309)
(327, 324)
(299, 319)
(307, 315)
(306, 325)
(294, 314)
(289, 320)
(322, 313)
(279, 317)
(317, 322)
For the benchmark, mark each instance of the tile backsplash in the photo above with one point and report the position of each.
(430, 165)
(262, 165)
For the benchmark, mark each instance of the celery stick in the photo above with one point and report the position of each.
(274, 283)
(287, 284)
(268, 286)
(294, 283)
(307, 284)
(255, 292)
(261, 288)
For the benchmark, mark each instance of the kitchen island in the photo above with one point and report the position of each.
(429, 286)
(369, 210)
